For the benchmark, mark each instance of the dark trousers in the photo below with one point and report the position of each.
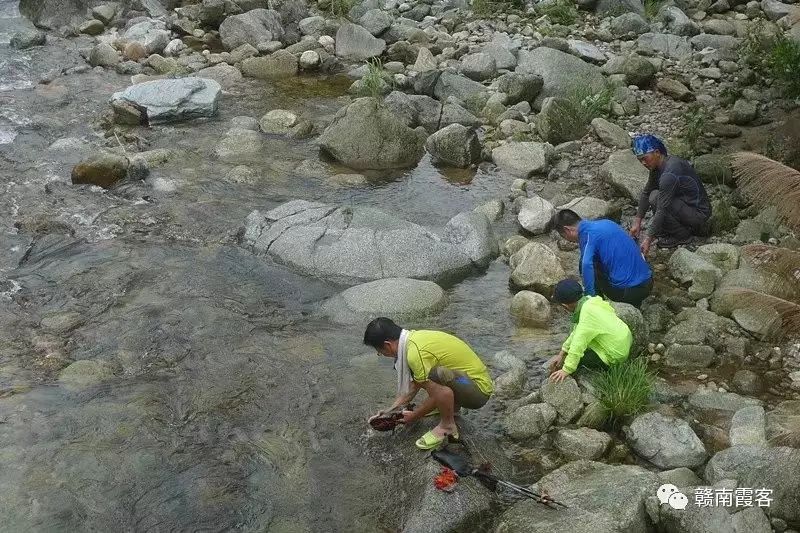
(592, 361)
(681, 220)
(629, 295)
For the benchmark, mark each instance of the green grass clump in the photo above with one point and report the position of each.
(373, 82)
(590, 104)
(694, 127)
(340, 8)
(651, 8)
(623, 390)
(773, 56)
(559, 12)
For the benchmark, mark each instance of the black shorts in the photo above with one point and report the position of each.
(465, 392)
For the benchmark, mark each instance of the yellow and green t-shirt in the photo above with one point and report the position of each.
(427, 349)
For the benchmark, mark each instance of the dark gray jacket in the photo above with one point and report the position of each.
(677, 180)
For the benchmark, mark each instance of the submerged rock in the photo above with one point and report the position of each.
(399, 298)
(103, 169)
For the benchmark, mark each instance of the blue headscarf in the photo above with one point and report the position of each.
(644, 144)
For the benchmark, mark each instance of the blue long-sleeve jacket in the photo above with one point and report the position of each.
(604, 242)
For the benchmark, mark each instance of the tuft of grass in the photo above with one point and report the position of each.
(591, 104)
(340, 8)
(772, 57)
(559, 12)
(623, 390)
(694, 127)
(373, 82)
(652, 7)
(484, 8)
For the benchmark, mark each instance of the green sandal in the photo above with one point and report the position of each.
(429, 441)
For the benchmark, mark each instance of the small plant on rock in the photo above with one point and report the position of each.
(559, 12)
(623, 390)
(772, 56)
(694, 127)
(340, 8)
(590, 104)
(651, 8)
(373, 82)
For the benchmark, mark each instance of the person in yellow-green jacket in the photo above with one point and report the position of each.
(445, 366)
(599, 338)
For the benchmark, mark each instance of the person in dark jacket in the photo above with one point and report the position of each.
(675, 193)
(610, 264)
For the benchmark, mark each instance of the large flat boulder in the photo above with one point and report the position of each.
(561, 73)
(368, 135)
(171, 100)
(602, 499)
(757, 467)
(358, 244)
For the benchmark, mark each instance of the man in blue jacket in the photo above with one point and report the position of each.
(676, 195)
(611, 264)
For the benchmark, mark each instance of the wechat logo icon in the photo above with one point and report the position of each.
(670, 495)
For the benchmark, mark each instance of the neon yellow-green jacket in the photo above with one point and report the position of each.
(598, 328)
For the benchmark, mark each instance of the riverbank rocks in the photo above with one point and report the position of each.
(625, 174)
(610, 134)
(588, 207)
(530, 308)
(523, 159)
(782, 423)
(359, 244)
(459, 87)
(777, 469)
(675, 89)
(748, 427)
(103, 55)
(254, 27)
(455, 146)
(103, 169)
(367, 135)
(690, 268)
(403, 298)
(535, 214)
(530, 421)
(519, 87)
(690, 356)
(280, 64)
(722, 402)
(536, 267)
(356, 43)
(602, 498)
(478, 66)
(722, 255)
(665, 441)
(664, 44)
(561, 73)
(581, 443)
(150, 33)
(168, 100)
(226, 75)
(565, 397)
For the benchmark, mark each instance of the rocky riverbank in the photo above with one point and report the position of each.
(527, 108)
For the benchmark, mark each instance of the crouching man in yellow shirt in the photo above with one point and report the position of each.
(445, 366)
(599, 338)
